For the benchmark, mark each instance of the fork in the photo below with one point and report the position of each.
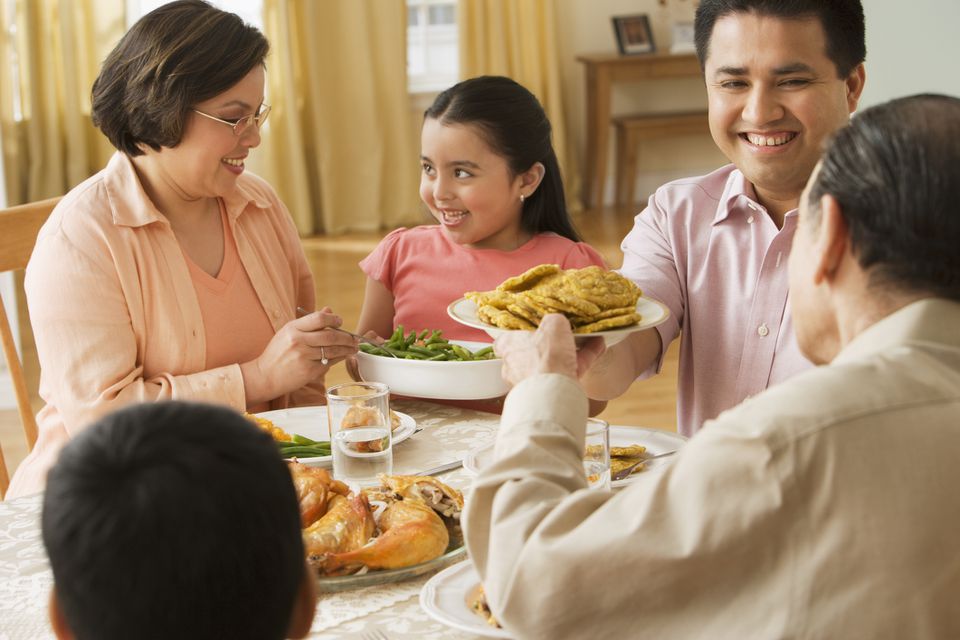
(375, 634)
(302, 312)
(626, 471)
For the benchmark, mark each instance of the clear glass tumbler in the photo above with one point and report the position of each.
(359, 420)
(596, 459)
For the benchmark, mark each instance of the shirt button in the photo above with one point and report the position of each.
(750, 220)
(762, 330)
(276, 314)
(194, 333)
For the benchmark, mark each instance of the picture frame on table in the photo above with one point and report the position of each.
(634, 34)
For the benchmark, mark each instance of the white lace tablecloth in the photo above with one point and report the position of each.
(448, 434)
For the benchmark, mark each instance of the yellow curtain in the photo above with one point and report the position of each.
(52, 50)
(518, 39)
(339, 146)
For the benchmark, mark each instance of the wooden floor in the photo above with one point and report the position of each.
(340, 286)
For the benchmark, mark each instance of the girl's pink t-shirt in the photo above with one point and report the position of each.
(426, 271)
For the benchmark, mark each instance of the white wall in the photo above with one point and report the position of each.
(912, 47)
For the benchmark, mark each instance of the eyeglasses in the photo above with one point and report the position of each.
(242, 125)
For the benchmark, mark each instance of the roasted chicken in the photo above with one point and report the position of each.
(315, 488)
(410, 533)
(411, 529)
(346, 526)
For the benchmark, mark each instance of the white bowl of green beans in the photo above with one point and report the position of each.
(424, 364)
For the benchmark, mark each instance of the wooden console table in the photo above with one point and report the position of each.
(603, 70)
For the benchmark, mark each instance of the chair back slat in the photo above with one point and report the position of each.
(19, 227)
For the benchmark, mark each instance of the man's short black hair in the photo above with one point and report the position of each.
(893, 171)
(173, 520)
(842, 22)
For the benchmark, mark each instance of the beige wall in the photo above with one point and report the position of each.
(585, 27)
(911, 48)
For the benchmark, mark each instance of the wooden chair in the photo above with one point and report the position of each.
(18, 234)
(633, 129)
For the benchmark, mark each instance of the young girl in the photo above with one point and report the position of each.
(491, 180)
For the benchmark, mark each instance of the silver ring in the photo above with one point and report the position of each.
(323, 357)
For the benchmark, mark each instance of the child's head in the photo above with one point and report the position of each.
(475, 131)
(175, 520)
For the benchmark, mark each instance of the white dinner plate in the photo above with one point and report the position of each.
(445, 599)
(652, 313)
(655, 440)
(312, 423)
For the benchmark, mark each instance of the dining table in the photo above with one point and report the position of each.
(603, 71)
(448, 434)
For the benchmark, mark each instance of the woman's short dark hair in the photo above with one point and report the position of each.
(173, 520)
(514, 124)
(893, 172)
(173, 58)
(842, 22)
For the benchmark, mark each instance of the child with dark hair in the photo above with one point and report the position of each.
(491, 180)
(175, 520)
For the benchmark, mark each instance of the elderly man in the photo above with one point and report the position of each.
(781, 77)
(824, 507)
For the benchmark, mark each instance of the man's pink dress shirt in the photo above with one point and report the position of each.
(711, 253)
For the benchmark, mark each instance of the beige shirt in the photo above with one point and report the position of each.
(115, 313)
(826, 507)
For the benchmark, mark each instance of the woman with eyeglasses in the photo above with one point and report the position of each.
(174, 273)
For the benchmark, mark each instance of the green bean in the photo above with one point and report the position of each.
(303, 451)
(463, 353)
(299, 439)
(425, 345)
(421, 350)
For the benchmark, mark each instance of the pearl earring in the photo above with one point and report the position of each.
(522, 198)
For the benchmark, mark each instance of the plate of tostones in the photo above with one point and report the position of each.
(596, 302)
(627, 445)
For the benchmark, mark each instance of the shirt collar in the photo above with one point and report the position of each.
(932, 320)
(739, 196)
(131, 207)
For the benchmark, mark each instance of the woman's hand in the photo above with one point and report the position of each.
(302, 351)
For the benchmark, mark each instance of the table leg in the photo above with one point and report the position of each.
(598, 135)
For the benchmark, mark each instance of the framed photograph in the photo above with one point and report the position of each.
(633, 34)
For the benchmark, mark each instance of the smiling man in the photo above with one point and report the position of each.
(781, 76)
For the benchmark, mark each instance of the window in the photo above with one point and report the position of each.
(432, 39)
(250, 10)
(432, 45)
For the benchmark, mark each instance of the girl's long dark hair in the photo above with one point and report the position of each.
(514, 124)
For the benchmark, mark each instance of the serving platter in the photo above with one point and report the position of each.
(312, 423)
(656, 441)
(652, 313)
(455, 552)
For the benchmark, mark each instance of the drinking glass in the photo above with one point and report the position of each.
(358, 414)
(596, 459)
